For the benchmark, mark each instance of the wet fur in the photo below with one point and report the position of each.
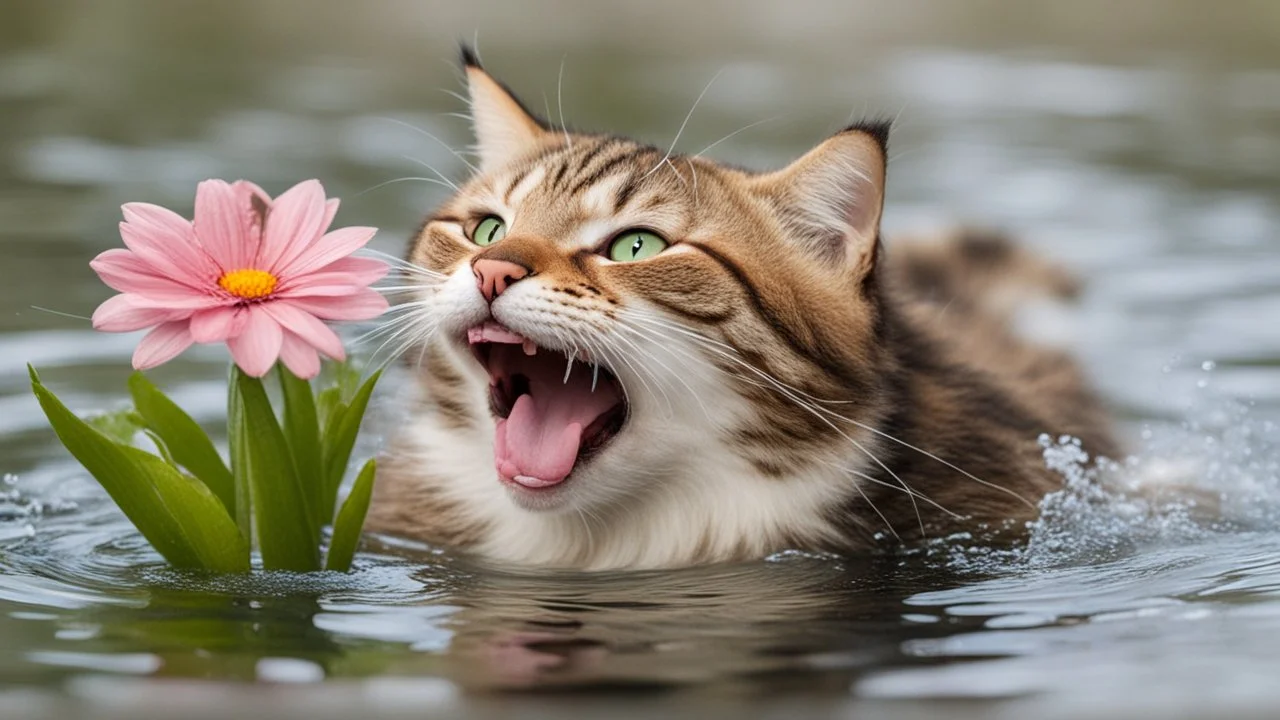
(793, 381)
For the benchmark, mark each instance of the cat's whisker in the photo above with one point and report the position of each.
(442, 143)
(403, 288)
(666, 398)
(874, 508)
(401, 265)
(693, 170)
(560, 101)
(603, 347)
(466, 100)
(869, 428)
(680, 132)
(678, 376)
(400, 180)
(395, 336)
(415, 335)
(734, 133)
(730, 349)
(430, 167)
(818, 413)
(891, 486)
(396, 327)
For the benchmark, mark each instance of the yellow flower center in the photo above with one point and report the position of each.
(248, 283)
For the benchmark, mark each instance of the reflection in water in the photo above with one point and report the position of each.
(1140, 146)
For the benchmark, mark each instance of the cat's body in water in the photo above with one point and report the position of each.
(634, 359)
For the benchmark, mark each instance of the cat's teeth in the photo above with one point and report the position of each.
(530, 347)
(595, 376)
(568, 369)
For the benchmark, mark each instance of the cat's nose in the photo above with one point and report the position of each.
(493, 277)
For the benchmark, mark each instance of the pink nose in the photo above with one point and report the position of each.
(493, 277)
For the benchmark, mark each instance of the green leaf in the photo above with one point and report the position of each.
(177, 514)
(287, 534)
(340, 437)
(237, 434)
(302, 428)
(346, 377)
(164, 449)
(121, 425)
(346, 529)
(329, 400)
(187, 442)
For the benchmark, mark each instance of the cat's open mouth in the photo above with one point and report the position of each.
(552, 411)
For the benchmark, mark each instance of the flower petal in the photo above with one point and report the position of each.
(128, 312)
(301, 359)
(308, 327)
(246, 191)
(220, 224)
(171, 235)
(330, 211)
(362, 305)
(256, 348)
(125, 271)
(162, 345)
(160, 219)
(218, 324)
(332, 247)
(349, 270)
(293, 225)
(155, 248)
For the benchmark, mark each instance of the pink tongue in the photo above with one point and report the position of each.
(537, 444)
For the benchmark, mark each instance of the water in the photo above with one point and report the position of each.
(1138, 146)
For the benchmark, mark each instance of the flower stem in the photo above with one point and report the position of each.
(237, 433)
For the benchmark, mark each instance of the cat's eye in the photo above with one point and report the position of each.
(489, 231)
(634, 245)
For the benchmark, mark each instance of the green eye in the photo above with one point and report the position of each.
(635, 245)
(489, 231)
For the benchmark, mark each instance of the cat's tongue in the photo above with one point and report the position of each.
(537, 444)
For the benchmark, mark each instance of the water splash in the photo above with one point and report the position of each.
(1215, 472)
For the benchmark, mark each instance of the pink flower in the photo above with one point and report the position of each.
(257, 274)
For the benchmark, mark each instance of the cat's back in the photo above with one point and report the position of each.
(986, 299)
(986, 378)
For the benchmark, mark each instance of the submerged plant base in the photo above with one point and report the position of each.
(281, 485)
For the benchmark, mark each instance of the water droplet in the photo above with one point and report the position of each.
(1202, 384)
(10, 478)
(1208, 365)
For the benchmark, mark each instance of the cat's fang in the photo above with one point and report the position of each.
(544, 429)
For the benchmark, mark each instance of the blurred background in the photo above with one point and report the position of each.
(1136, 141)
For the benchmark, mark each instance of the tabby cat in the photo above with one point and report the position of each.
(635, 359)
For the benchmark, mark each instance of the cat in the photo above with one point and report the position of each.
(628, 358)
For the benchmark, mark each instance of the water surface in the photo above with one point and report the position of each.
(1140, 147)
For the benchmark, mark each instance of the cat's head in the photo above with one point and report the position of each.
(616, 321)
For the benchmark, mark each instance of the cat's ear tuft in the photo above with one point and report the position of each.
(830, 199)
(504, 127)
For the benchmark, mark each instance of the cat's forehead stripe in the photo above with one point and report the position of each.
(597, 201)
(525, 185)
(593, 174)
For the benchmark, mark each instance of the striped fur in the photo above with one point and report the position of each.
(791, 383)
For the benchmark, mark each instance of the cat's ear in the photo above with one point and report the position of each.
(504, 127)
(830, 199)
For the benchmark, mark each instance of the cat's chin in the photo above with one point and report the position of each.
(552, 413)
